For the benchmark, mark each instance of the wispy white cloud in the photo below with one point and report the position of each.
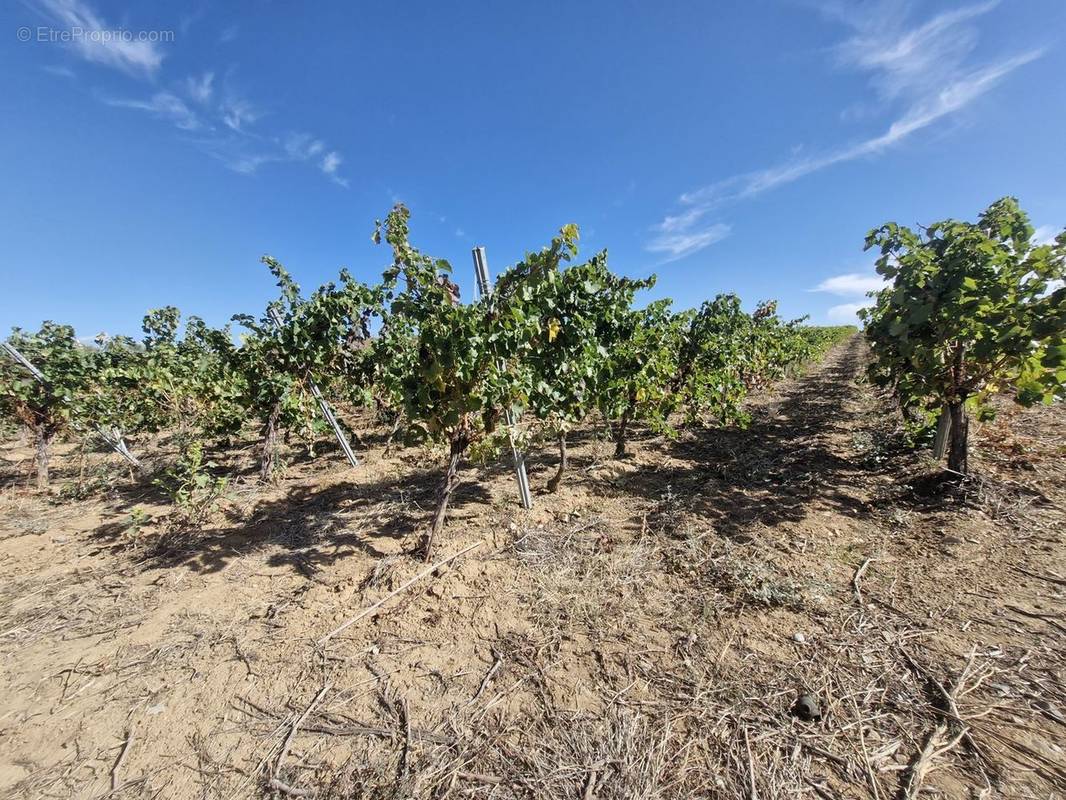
(921, 114)
(227, 130)
(903, 61)
(237, 114)
(923, 71)
(201, 89)
(60, 71)
(302, 146)
(681, 222)
(108, 46)
(845, 312)
(1045, 234)
(244, 163)
(679, 237)
(188, 20)
(166, 106)
(329, 164)
(227, 125)
(247, 153)
(851, 284)
(305, 147)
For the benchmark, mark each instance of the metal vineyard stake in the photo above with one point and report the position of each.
(484, 287)
(327, 412)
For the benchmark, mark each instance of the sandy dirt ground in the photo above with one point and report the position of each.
(643, 633)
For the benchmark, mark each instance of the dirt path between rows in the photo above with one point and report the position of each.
(645, 632)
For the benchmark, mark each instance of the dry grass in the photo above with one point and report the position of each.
(696, 730)
(634, 636)
(582, 578)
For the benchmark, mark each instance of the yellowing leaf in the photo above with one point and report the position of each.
(554, 326)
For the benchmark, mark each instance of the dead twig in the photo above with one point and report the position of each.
(923, 761)
(296, 726)
(1051, 619)
(871, 775)
(752, 792)
(496, 664)
(399, 589)
(1050, 578)
(857, 577)
(115, 782)
(379, 733)
(405, 713)
(333, 728)
(590, 787)
(479, 777)
(291, 791)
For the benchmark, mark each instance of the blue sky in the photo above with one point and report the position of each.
(726, 147)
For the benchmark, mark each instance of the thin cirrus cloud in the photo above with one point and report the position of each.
(201, 89)
(924, 69)
(904, 62)
(952, 98)
(224, 122)
(1045, 234)
(677, 245)
(854, 285)
(60, 71)
(132, 56)
(245, 153)
(238, 114)
(305, 147)
(329, 164)
(850, 284)
(845, 312)
(685, 233)
(226, 130)
(163, 105)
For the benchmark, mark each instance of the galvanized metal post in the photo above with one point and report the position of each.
(113, 438)
(21, 359)
(327, 412)
(484, 287)
(940, 443)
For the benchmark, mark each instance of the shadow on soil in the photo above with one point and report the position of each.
(771, 472)
(315, 526)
